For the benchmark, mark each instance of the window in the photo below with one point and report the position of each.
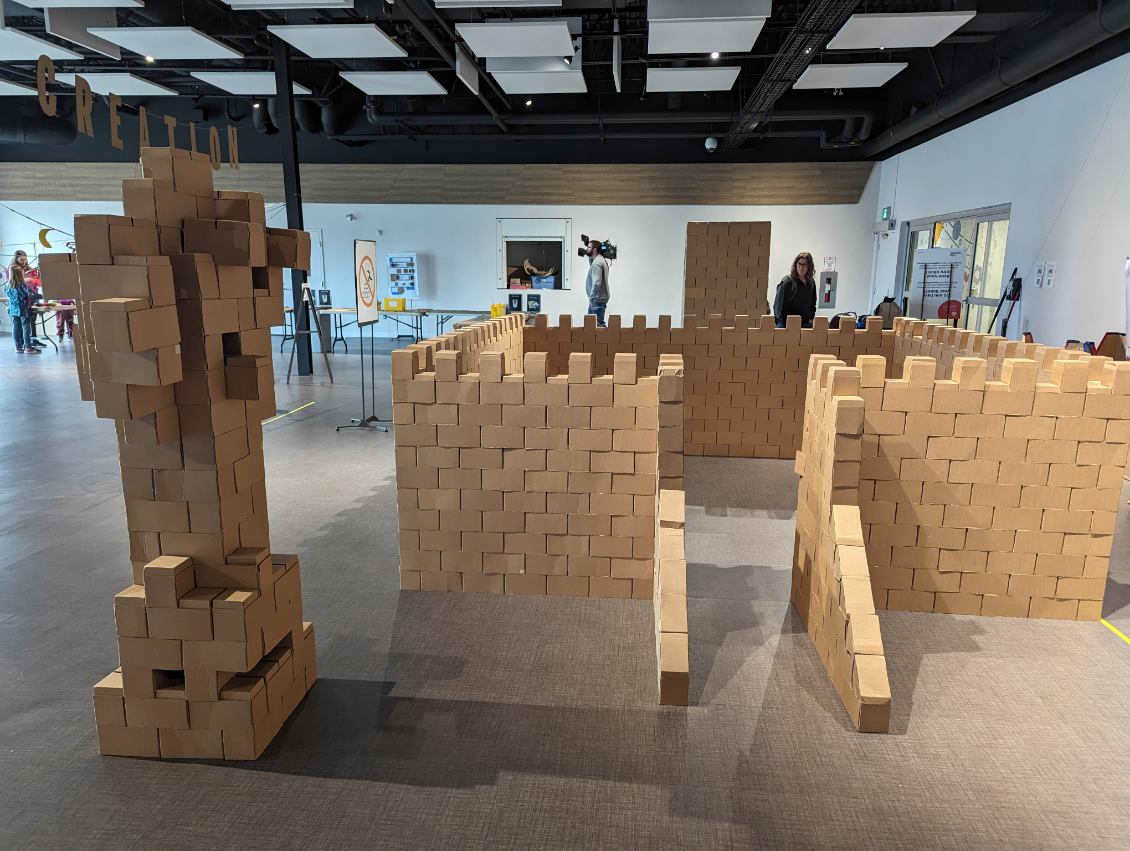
(534, 254)
(983, 236)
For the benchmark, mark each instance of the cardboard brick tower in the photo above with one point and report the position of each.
(176, 302)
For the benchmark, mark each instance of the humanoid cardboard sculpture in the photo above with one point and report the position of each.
(176, 302)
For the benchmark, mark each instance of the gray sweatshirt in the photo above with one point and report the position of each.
(596, 285)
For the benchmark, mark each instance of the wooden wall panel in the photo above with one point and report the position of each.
(702, 183)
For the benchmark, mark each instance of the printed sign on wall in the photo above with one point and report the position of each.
(365, 274)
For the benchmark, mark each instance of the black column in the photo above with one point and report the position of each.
(292, 189)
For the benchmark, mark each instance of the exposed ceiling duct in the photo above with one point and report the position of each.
(1111, 19)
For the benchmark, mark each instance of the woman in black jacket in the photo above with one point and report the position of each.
(796, 294)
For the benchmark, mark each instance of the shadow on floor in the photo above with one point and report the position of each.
(1116, 602)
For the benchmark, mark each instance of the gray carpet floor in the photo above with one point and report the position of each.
(470, 721)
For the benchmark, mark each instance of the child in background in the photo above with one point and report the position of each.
(19, 305)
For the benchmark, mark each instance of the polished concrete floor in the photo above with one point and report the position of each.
(469, 721)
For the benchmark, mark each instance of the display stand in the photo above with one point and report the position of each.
(368, 419)
(302, 328)
(368, 314)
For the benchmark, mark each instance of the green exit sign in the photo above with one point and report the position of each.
(886, 214)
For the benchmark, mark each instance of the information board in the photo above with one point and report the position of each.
(937, 283)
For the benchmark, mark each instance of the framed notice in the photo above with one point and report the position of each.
(365, 280)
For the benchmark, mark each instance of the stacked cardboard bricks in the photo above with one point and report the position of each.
(976, 496)
(831, 588)
(176, 301)
(745, 381)
(727, 269)
(512, 479)
(524, 482)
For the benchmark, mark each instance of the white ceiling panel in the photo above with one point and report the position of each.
(245, 82)
(541, 82)
(113, 83)
(84, 4)
(167, 42)
(17, 46)
(910, 29)
(497, 4)
(691, 79)
(16, 90)
(73, 25)
(394, 82)
(340, 41)
(517, 39)
(290, 4)
(466, 69)
(705, 26)
(725, 35)
(858, 75)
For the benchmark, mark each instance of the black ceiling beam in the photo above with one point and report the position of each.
(819, 20)
(448, 57)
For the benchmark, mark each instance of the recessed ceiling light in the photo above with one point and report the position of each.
(255, 105)
(808, 50)
(715, 55)
(150, 59)
(529, 103)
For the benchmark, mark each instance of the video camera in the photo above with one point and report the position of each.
(607, 249)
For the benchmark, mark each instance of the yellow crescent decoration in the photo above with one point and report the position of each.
(43, 237)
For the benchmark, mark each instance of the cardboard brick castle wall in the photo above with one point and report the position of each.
(975, 496)
(512, 479)
(515, 480)
(915, 338)
(831, 587)
(726, 269)
(176, 302)
(745, 382)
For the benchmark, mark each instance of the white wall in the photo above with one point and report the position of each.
(457, 246)
(1062, 159)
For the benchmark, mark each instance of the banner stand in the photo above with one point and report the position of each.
(368, 314)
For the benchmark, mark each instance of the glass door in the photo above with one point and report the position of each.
(982, 235)
(986, 283)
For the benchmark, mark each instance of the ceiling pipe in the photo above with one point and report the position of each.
(448, 57)
(438, 119)
(1111, 19)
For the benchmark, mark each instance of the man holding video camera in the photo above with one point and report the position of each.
(596, 285)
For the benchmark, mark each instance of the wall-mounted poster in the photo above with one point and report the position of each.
(365, 280)
(403, 276)
(325, 299)
(514, 304)
(533, 303)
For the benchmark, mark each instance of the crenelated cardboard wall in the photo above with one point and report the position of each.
(831, 586)
(517, 480)
(975, 495)
(994, 497)
(745, 384)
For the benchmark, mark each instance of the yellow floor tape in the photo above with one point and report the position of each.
(288, 413)
(1114, 629)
